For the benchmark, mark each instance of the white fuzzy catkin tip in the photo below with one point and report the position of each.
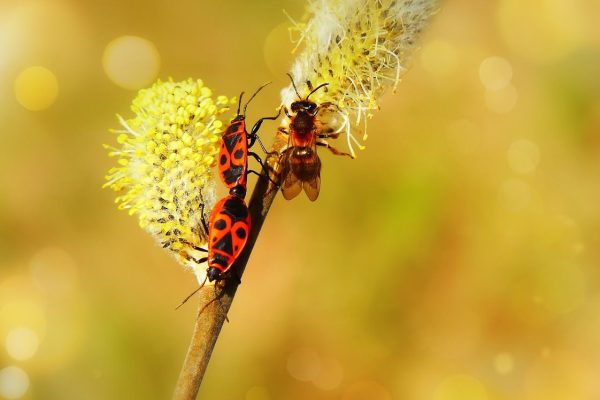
(361, 48)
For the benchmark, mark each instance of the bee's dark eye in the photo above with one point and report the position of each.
(304, 105)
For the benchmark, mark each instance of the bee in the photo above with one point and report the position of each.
(300, 163)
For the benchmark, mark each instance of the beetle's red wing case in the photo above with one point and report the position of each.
(233, 154)
(229, 227)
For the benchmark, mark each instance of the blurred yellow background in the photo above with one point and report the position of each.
(456, 259)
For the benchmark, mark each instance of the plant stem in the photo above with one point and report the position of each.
(213, 313)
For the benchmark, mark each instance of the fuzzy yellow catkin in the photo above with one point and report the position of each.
(166, 156)
(360, 48)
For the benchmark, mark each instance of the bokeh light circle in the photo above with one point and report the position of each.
(330, 375)
(22, 343)
(277, 43)
(21, 312)
(556, 32)
(54, 271)
(503, 363)
(36, 88)
(367, 389)
(131, 62)
(523, 156)
(461, 387)
(257, 393)
(14, 382)
(304, 364)
(495, 73)
(501, 101)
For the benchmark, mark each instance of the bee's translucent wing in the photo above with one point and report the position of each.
(312, 187)
(291, 186)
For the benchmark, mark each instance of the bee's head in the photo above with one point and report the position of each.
(303, 106)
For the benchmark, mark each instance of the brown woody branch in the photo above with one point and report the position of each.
(213, 313)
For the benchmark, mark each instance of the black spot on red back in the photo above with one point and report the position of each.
(230, 141)
(224, 244)
(240, 233)
(236, 207)
(234, 127)
(220, 224)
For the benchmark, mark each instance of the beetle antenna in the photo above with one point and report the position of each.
(195, 291)
(240, 103)
(255, 93)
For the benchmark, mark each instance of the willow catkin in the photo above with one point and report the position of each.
(166, 156)
(360, 48)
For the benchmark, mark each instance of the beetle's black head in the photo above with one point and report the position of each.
(238, 191)
(213, 274)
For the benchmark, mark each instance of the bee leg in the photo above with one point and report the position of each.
(328, 104)
(333, 149)
(329, 135)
